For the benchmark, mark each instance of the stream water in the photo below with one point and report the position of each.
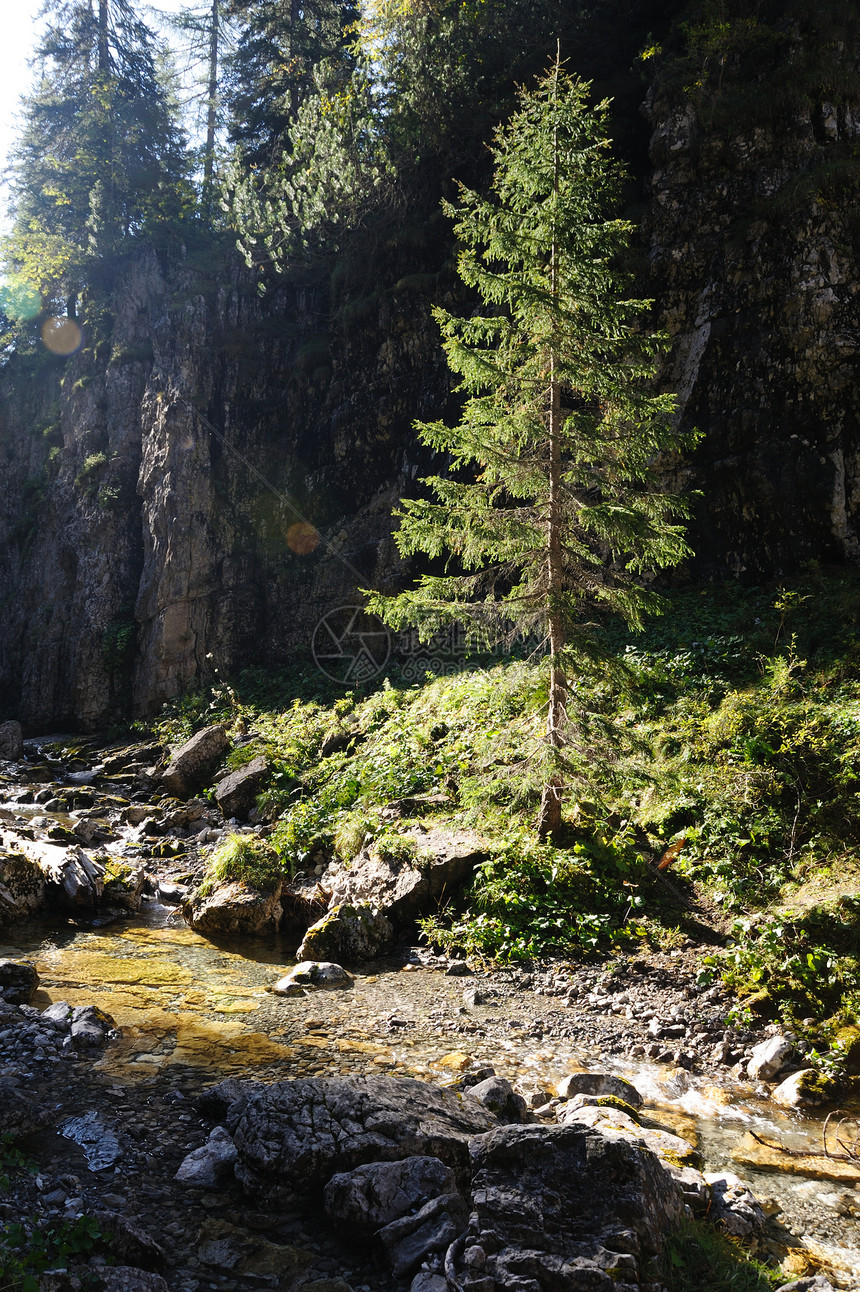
(202, 1011)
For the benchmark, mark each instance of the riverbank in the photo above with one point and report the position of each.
(410, 1018)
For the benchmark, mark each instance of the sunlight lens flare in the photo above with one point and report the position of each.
(302, 538)
(19, 300)
(61, 335)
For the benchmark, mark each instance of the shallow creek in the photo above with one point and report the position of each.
(195, 1011)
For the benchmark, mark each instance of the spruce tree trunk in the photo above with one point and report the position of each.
(295, 12)
(212, 93)
(549, 819)
(104, 58)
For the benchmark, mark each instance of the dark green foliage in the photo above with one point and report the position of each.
(741, 64)
(543, 254)
(100, 161)
(270, 72)
(699, 1258)
(29, 1248)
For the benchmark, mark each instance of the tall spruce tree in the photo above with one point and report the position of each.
(101, 157)
(554, 506)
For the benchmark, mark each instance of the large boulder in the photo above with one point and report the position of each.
(75, 881)
(237, 793)
(191, 765)
(11, 742)
(210, 1165)
(22, 885)
(34, 872)
(235, 908)
(300, 1133)
(20, 1111)
(379, 1192)
(600, 1085)
(18, 981)
(348, 934)
(408, 885)
(565, 1207)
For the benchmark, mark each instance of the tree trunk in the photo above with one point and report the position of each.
(211, 97)
(104, 56)
(549, 819)
(295, 11)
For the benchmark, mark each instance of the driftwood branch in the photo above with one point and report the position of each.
(851, 1153)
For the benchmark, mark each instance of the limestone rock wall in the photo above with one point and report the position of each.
(226, 475)
(756, 269)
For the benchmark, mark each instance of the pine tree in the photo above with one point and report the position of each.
(553, 506)
(100, 158)
(271, 70)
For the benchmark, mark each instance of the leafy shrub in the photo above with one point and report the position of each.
(29, 1248)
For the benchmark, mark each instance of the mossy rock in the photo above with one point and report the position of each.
(762, 1004)
(848, 1040)
(347, 934)
(612, 1101)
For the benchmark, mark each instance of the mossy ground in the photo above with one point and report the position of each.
(729, 732)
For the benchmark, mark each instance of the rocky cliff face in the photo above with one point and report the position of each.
(226, 475)
(194, 490)
(754, 260)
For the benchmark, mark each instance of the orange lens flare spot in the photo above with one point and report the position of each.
(61, 336)
(302, 538)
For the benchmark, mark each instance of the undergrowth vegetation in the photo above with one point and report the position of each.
(727, 740)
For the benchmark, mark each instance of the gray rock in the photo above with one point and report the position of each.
(812, 1283)
(74, 880)
(352, 934)
(598, 1083)
(210, 1165)
(235, 908)
(18, 981)
(567, 1207)
(431, 1229)
(693, 1185)
(404, 888)
(59, 1013)
(667, 1146)
(312, 973)
(733, 1205)
(22, 883)
(192, 764)
(90, 1025)
(171, 894)
(379, 1192)
(237, 793)
(769, 1058)
(806, 1088)
(20, 1113)
(426, 1282)
(11, 742)
(499, 1097)
(128, 1242)
(95, 1138)
(300, 1133)
(124, 1278)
